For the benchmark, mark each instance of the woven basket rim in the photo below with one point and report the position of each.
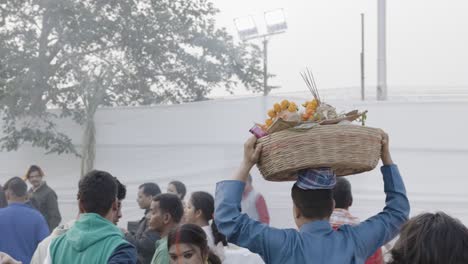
(351, 150)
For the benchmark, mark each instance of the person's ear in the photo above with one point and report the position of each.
(297, 212)
(334, 203)
(198, 213)
(81, 207)
(166, 218)
(115, 205)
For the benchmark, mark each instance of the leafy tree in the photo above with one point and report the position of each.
(75, 56)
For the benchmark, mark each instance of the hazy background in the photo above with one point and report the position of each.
(201, 143)
(427, 41)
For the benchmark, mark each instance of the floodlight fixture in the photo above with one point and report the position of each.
(246, 27)
(275, 21)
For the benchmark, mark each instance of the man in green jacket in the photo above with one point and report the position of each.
(94, 238)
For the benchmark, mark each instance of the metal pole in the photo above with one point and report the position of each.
(363, 95)
(382, 53)
(265, 69)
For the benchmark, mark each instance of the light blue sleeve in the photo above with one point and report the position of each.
(383, 227)
(243, 231)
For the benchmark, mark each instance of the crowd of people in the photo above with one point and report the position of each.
(204, 229)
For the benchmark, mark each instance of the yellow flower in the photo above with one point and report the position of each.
(314, 103)
(292, 107)
(269, 122)
(277, 107)
(284, 104)
(271, 113)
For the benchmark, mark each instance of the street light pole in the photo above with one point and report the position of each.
(363, 95)
(382, 53)
(266, 89)
(276, 24)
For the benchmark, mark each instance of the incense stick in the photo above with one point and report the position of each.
(309, 80)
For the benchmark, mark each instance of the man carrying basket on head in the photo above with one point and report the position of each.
(315, 241)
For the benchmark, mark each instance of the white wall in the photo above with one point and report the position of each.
(201, 143)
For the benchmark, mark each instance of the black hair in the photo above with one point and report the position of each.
(3, 200)
(34, 168)
(313, 204)
(17, 186)
(180, 188)
(193, 235)
(342, 193)
(121, 190)
(171, 204)
(431, 238)
(97, 191)
(204, 202)
(150, 189)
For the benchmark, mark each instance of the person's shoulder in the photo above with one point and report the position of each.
(161, 244)
(289, 232)
(161, 247)
(347, 229)
(124, 253)
(125, 246)
(33, 213)
(47, 189)
(25, 210)
(38, 216)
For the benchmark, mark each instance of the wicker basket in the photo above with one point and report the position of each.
(348, 149)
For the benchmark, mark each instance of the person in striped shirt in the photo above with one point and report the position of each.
(341, 216)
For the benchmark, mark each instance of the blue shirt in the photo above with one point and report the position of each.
(316, 241)
(21, 230)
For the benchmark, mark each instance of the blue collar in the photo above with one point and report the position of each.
(316, 227)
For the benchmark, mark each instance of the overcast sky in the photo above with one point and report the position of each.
(427, 41)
